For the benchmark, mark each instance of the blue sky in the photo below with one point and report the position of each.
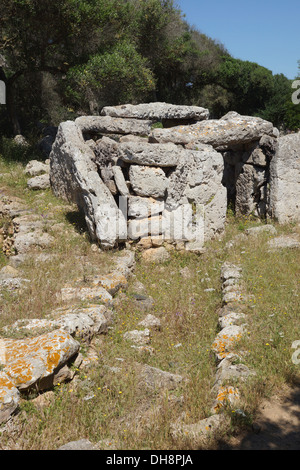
(266, 32)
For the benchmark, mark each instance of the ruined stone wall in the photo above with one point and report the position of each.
(159, 172)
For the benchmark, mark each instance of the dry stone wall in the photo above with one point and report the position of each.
(134, 179)
(130, 187)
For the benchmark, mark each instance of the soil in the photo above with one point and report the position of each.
(276, 427)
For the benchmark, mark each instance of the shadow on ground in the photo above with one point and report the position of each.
(276, 427)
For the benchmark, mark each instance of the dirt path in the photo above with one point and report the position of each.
(277, 425)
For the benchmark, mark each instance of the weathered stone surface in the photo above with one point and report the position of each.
(9, 272)
(232, 296)
(132, 138)
(155, 255)
(141, 153)
(23, 242)
(39, 182)
(228, 371)
(157, 111)
(112, 125)
(197, 181)
(230, 271)
(155, 379)
(150, 321)
(197, 432)
(148, 181)
(256, 157)
(111, 282)
(86, 293)
(12, 284)
(226, 396)
(138, 336)
(232, 318)
(283, 241)
(255, 231)
(223, 133)
(74, 176)
(34, 361)
(79, 322)
(177, 224)
(250, 180)
(285, 180)
(139, 228)
(106, 151)
(120, 181)
(81, 444)
(36, 168)
(9, 397)
(142, 207)
(31, 223)
(125, 263)
(225, 340)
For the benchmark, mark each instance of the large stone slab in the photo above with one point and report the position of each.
(156, 111)
(228, 132)
(33, 361)
(163, 155)
(285, 180)
(74, 177)
(197, 181)
(250, 184)
(112, 125)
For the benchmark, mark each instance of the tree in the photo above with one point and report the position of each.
(39, 36)
(250, 84)
(118, 75)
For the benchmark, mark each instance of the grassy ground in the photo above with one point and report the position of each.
(109, 405)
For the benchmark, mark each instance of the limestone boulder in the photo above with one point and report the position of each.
(34, 361)
(148, 181)
(120, 181)
(285, 180)
(24, 241)
(250, 180)
(197, 182)
(162, 155)
(232, 130)
(157, 111)
(153, 378)
(142, 207)
(112, 125)
(85, 322)
(74, 177)
(200, 431)
(155, 255)
(39, 182)
(36, 168)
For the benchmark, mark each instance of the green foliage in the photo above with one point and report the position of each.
(250, 84)
(12, 152)
(117, 76)
(75, 56)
